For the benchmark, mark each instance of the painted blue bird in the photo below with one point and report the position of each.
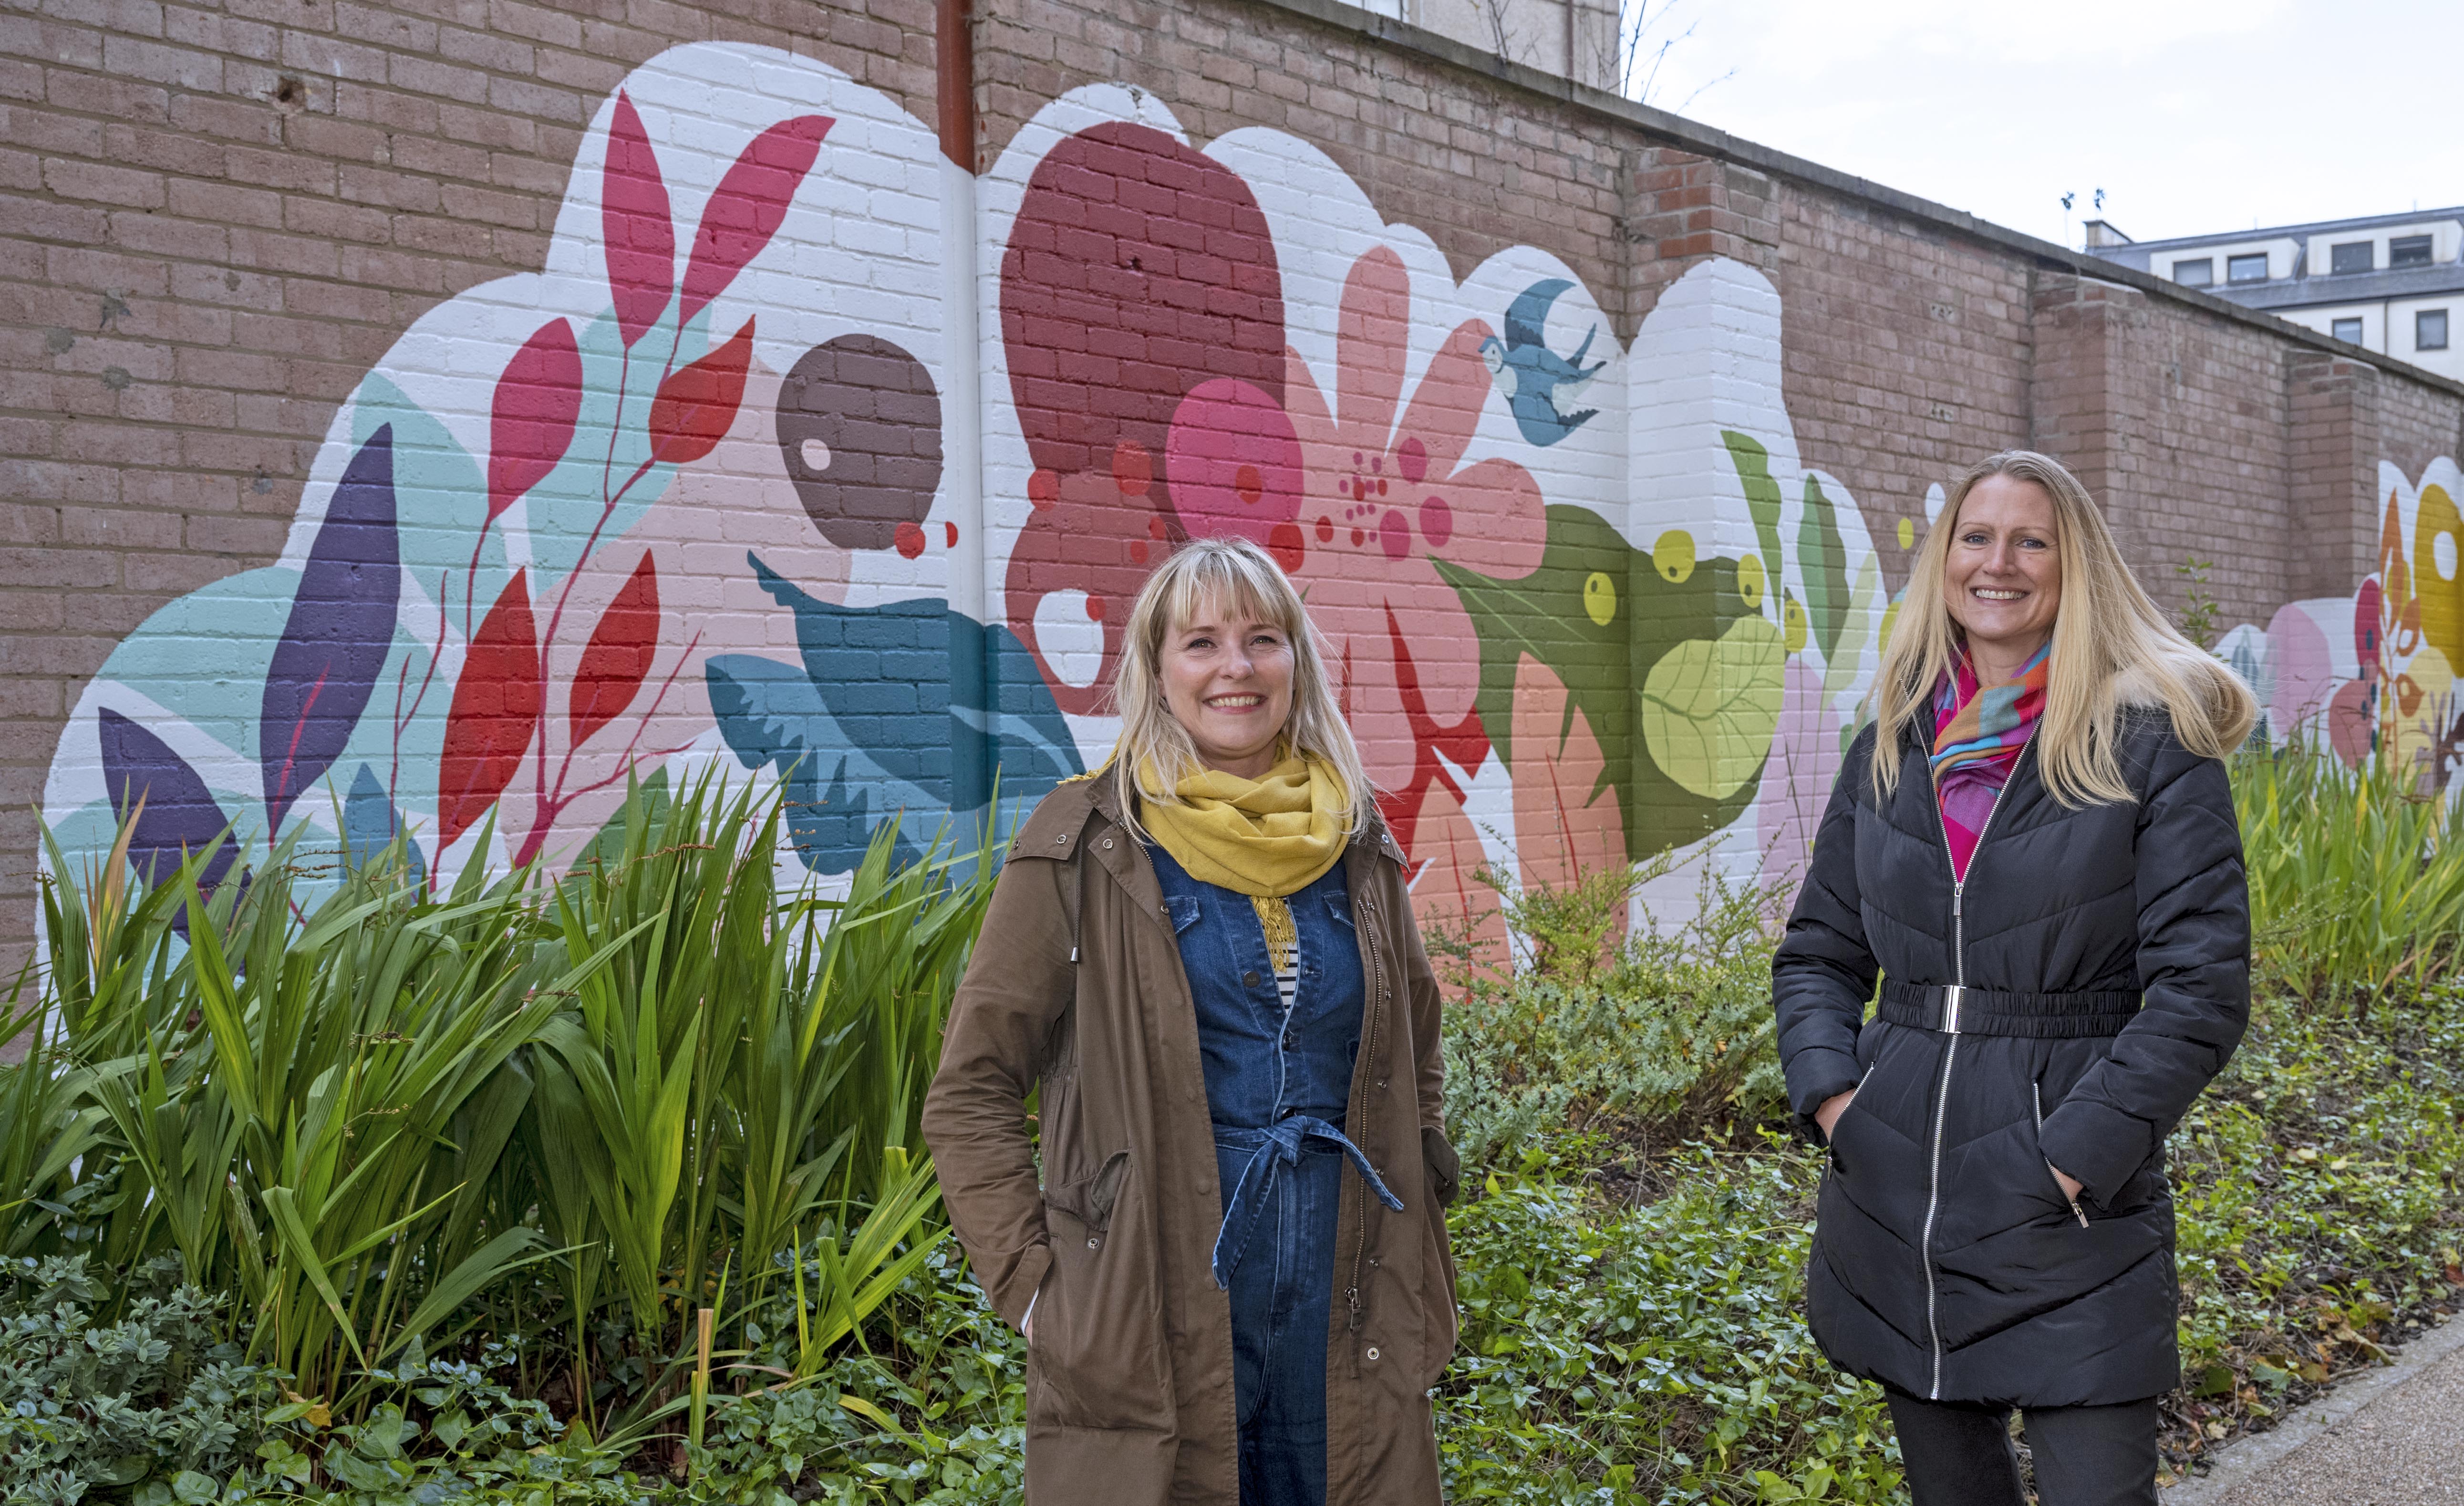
(1541, 388)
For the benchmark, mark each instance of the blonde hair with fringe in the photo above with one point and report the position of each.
(1221, 575)
(2109, 638)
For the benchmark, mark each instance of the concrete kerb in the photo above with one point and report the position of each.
(2244, 1459)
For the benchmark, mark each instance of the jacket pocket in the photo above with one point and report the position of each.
(2038, 1088)
(1098, 1346)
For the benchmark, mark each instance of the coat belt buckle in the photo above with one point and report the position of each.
(1951, 1000)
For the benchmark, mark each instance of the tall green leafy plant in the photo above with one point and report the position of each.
(2354, 883)
(312, 1086)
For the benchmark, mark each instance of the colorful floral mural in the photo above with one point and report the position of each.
(2375, 674)
(747, 480)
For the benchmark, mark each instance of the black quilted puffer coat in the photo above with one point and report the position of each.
(2065, 1005)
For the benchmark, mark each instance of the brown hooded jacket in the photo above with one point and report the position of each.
(1129, 1371)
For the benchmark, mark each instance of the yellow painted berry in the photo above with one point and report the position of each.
(1673, 556)
(1599, 597)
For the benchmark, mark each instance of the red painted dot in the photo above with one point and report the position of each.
(1137, 551)
(1043, 488)
(1133, 467)
(953, 533)
(911, 539)
(1381, 486)
(1095, 607)
(1246, 486)
(1324, 529)
(1357, 536)
(1395, 534)
(1285, 544)
(1411, 458)
(1155, 528)
(1436, 522)
(1376, 463)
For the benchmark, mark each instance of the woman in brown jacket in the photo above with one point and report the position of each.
(1233, 1274)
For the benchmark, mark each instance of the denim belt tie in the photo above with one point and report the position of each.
(1273, 1148)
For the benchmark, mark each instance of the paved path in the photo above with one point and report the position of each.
(2394, 1437)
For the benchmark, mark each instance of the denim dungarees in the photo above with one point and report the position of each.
(1276, 1087)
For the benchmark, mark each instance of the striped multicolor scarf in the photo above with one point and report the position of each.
(1978, 734)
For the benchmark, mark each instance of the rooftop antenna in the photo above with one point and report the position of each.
(2068, 198)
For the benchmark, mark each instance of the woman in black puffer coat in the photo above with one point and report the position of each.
(2045, 873)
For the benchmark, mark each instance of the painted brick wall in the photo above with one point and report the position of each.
(215, 219)
(1561, 408)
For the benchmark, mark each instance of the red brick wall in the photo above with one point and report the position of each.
(215, 218)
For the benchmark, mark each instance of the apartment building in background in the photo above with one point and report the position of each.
(2393, 283)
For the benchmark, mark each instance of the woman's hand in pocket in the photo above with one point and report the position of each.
(1834, 1106)
(2071, 1185)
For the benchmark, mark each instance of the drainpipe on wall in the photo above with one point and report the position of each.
(973, 755)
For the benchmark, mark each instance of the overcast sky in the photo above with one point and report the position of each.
(2192, 117)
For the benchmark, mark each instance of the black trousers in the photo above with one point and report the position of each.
(1959, 1454)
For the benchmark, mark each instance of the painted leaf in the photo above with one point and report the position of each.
(746, 208)
(618, 656)
(496, 708)
(635, 230)
(531, 416)
(370, 823)
(1446, 893)
(1599, 614)
(1823, 559)
(341, 629)
(1566, 822)
(695, 405)
(1762, 495)
(180, 817)
(1709, 707)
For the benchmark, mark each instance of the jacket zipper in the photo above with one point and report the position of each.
(1368, 1063)
(2039, 1089)
(1949, 1056)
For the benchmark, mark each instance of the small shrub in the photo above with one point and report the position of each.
(94, 1409)
(1674, 1031)
(1626, 1356)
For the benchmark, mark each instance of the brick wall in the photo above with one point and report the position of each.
(237, 232)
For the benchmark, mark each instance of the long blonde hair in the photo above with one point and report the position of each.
(1220, 573)
(2109, 637)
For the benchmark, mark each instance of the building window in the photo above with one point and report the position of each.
(2408, 251)
(2346, 329)
(2195, 274)
(2246, 269)
(2429, 329)
(2353, 255)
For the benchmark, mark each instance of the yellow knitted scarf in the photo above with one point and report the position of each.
(1265, 837)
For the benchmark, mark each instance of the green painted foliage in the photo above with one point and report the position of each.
(1762, 495)
(1603, 617)
(1822, 557)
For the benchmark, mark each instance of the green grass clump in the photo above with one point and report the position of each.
(2356, 881)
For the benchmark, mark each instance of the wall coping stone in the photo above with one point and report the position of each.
(1403, 36)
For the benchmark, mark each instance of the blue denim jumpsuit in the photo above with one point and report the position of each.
(1276, 1086)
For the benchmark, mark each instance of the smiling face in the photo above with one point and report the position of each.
(2002, 579)
(1227, 677)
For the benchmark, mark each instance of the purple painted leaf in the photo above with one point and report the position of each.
(635, 227)
(341, 630)
(746, 208)
(180, 814)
